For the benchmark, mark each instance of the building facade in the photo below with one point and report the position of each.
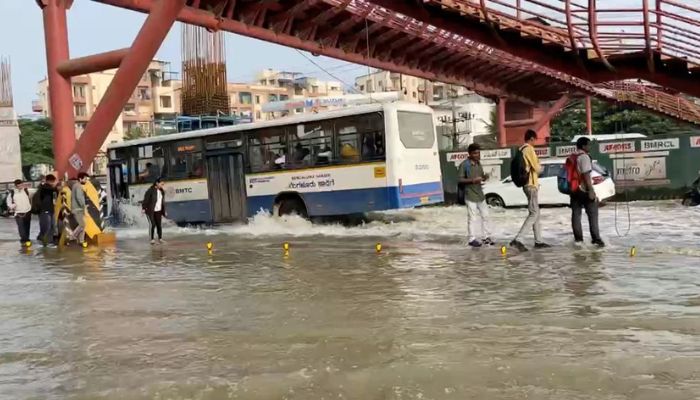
(460, 114)
(156, 96)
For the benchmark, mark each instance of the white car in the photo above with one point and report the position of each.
(505, 194)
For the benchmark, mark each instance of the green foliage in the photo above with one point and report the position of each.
(36, 141)
(134, 133)
(610, 119)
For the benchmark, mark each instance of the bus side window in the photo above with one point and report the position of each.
(348, 140)
(312, 145)
(150, 164)
(267, 149)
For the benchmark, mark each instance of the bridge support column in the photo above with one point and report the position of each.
(60, 89)
(501, 114)
(589, 116)
(132, 65)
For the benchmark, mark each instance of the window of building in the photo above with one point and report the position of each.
(166, 101)
(185, 160)
(416, 130)
(267, 149)
(284, 97)
(245, 98)
(272, 97)
(130, 108)
(80, 110)
(257, 99)
(79, 90)
(150, 164)
(312, 144)
(144, 127)
(258, 116)
(362, 88)
(144, 93)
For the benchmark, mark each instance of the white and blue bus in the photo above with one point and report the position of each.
(349, 161)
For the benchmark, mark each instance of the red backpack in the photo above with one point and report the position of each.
(569, 178)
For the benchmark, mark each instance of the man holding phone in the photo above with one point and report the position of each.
(472, 176)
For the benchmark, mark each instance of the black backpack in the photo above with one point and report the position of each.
(36, 201)
(518, 169)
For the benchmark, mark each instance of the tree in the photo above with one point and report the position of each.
(134, 133)
(609, 118)
(36, 141)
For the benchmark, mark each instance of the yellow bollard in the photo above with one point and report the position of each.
(504, 250)
(84, 244)
(27, 244)
(285, 246)
(210, 246)
(378, 248)
(633, 251)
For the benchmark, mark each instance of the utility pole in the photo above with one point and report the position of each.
(455, 139)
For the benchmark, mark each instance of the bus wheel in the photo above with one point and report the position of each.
(292, 205)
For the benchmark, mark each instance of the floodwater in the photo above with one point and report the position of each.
(427, 318)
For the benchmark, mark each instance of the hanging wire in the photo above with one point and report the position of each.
(627, 200)
(326, 71)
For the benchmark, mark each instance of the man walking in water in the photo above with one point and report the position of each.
(153, 206)
(584, 196)
(45, 194)
(472, 176)
(19, 204)
(77, 208)
(531, 189)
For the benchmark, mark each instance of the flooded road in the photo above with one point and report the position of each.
(427, 318)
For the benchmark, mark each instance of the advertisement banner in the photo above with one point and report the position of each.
(565, 151)
(640, 169)
(660, 144)
(695, 141)
(619, 147)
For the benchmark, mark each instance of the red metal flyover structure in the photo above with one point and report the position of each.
(409, 37)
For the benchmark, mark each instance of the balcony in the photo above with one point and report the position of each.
(37, 106)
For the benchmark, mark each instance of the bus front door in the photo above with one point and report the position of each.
(117, 190)
(226, 182)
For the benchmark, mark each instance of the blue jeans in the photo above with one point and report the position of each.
(46, 227)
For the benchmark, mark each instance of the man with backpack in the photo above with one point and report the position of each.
(43, 204)
(19, 204)
(525, 171)
(578, 168)
(471, 177)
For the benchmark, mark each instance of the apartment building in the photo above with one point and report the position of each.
(298, 86)
(460, 114)
(156, 96)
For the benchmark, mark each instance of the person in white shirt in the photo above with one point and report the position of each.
(19, 204)
(153, 206)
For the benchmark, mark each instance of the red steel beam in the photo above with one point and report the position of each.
(161, 18)
(553, 111)
(208, 20)
(93, 63)
(589, 116)
(61, 93)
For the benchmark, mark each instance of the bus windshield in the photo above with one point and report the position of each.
(416, 130)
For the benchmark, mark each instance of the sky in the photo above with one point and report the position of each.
(95, 28)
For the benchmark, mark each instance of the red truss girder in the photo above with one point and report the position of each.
(659, 43)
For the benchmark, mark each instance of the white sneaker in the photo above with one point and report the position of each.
(153, 241)
(161, 241)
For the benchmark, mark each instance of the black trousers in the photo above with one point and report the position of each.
(45, 227)
(579, 201)
(24, 224)
(155, 220)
